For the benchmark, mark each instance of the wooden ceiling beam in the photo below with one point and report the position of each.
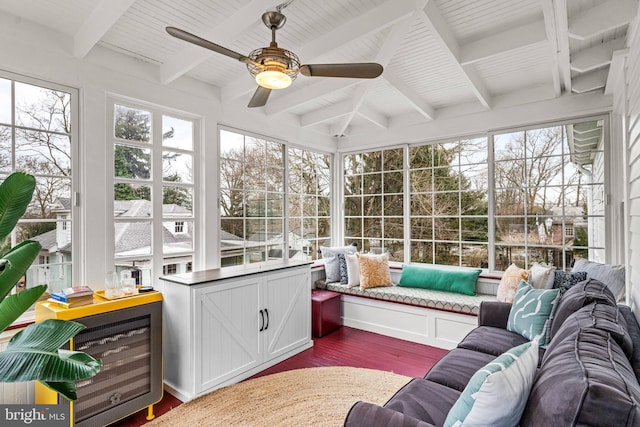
(602, 18)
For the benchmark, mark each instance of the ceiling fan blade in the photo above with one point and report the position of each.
(260, 97)
(362, 70)
(188, 37)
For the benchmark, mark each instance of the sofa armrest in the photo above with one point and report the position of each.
(364, 414)
(494, 313)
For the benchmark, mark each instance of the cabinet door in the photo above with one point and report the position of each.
(228, 340)
(287, 298)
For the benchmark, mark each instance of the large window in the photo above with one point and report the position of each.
(153, 175)
(449, 204)
(533, 195)
(256, 225)
(38, 135)
(374, 201)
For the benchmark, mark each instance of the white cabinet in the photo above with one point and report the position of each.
(233, 324)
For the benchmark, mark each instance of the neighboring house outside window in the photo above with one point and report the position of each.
(170, 269)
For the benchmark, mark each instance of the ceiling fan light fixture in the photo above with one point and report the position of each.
(272, 79)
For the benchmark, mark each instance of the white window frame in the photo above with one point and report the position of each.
(156, 257)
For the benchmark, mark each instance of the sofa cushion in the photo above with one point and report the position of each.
(440, 279)
(598, 316)
(497, 393)
(531, 312)
(610, 275)
(455, 368)
(512, 276)
(579, 295)
(424, 400)
(585, 379)
(331, 263)
(491, 340)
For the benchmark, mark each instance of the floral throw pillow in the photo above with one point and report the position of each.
(565, 281)
(342, 267)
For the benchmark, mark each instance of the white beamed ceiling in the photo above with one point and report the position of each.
(439, 55)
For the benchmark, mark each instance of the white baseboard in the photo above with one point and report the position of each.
(422, 325)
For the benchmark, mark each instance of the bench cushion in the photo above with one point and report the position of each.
(439, 300)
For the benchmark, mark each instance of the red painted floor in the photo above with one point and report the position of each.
(344, 347)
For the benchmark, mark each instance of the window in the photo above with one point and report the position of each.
(309, 205)
(170, 269)
(448, 211)
(256, 226)
(153, 175)
(38, 135)
(374, 200)
(525, 196)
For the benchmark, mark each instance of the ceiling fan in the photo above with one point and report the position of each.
(274, 67)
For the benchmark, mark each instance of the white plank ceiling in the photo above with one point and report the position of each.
(437, 55)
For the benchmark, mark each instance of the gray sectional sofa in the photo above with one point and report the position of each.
(587, 375)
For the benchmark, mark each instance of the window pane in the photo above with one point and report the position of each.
(43, 153)
(5, 148)
(129, 192)
(132, 162)
(177, 167)
(132, 124)
(177, 201)
(422, 252)
(42, 108)
(132, 238)
(475, 256)
(177, 133)
(177, 237)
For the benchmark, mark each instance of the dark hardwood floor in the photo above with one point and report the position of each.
(344, 347)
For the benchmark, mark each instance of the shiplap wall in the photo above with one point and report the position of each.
(633, 140)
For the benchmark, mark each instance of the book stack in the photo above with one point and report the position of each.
(75, 296)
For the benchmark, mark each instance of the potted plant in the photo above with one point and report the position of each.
(33, 353)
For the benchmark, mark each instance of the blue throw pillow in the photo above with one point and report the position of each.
(440, 279)
(497, 393)
(531, 312)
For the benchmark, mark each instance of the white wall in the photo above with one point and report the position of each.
(628, 105)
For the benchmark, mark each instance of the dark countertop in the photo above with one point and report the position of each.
(204, 276)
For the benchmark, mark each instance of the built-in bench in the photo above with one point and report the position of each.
(425, 316)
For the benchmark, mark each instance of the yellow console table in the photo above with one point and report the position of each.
(126, 334)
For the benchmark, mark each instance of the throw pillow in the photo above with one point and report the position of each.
(331, 263)
(497, 393)
(374, 270)
(541, 276)
(440, 279)
(509, 282)
(353, 270)
(531, 312)
(610, 275)
(565, 281)
(342, 267)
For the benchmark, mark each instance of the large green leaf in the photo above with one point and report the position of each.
(15, 195)
(65, 388)
(14, 305)
(15, 263)
(34, 354)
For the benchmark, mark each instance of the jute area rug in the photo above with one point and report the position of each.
(302, 397)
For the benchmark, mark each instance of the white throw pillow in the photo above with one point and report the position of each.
(541, 276)
(331, 262)
(497, 393)
(353, 270)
